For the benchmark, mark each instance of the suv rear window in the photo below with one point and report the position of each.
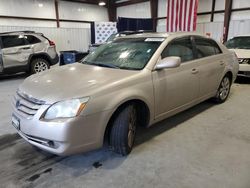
(13, 40)
(32, 39)
(206, 47)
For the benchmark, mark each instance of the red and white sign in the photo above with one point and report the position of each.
(181, 15)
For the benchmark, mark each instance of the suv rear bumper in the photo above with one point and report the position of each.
(54, 60)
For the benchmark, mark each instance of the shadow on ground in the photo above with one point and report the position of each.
(4, 77)
(145, 134)
(242, 80)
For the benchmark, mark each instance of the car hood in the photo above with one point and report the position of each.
(72, 81)
(242, 53)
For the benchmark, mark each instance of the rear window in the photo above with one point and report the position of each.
(32, 39)
(238, 43)
(206, 47)
(13, 40)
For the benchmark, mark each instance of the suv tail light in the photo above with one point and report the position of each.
(51, 43)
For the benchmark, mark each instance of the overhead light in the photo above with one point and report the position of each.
(40, 5)
(102, 3)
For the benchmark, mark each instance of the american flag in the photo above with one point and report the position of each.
(181, 15)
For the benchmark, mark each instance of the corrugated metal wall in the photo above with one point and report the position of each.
(65, 38)
(237, 27)
(140, 10)
(214, 28)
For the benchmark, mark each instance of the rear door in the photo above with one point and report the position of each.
(16, 50)
(211, 65)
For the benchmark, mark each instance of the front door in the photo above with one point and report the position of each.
(176, 87)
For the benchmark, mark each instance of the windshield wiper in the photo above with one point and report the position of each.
(86, 62)
(101, 64)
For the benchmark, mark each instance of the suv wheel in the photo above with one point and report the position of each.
(39, 65)
(224, 90)
(123, 131)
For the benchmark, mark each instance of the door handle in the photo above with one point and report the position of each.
(194, 71)
(26, 48)
(222, 63)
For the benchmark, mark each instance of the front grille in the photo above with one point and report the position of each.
(26, 106)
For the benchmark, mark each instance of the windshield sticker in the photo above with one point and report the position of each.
(154, 39)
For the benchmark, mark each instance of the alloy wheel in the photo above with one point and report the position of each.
(40, 66)
(224, 88)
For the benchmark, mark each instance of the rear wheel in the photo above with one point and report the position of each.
(39, 65)
(123, 131)
(224, 90)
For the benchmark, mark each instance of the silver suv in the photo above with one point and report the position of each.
(26, 51)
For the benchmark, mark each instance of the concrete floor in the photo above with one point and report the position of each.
(206, 146)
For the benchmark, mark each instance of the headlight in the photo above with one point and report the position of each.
(246, 61)
(66, 109)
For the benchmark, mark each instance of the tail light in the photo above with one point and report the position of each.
(51, 43)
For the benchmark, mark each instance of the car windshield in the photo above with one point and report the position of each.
(129, 53)
(238, 43)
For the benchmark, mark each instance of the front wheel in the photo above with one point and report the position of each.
(123, 131)
(224, 90)
(39, 65)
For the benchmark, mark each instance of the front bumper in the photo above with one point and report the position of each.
(64, 136)
(244, 70)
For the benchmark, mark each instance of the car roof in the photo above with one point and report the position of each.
(162, 35)
(245, 35)
(18, 32)
(133, 32)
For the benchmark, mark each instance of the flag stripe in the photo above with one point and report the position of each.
(172, 16)
(185, 15)
(190, 14)
(195, 15)
(176, 14)
(180, 16)
(168, 14)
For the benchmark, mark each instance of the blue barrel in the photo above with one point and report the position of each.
(69, 57)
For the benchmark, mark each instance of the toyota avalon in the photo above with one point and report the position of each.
(136, 80)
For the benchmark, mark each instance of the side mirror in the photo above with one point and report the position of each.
(168, 62)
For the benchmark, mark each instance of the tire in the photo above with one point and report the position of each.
(122, 134)
(39, 65)
(223, 90)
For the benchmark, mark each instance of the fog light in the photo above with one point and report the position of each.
(51, 144)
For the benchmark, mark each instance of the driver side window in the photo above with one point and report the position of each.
(182, 48)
